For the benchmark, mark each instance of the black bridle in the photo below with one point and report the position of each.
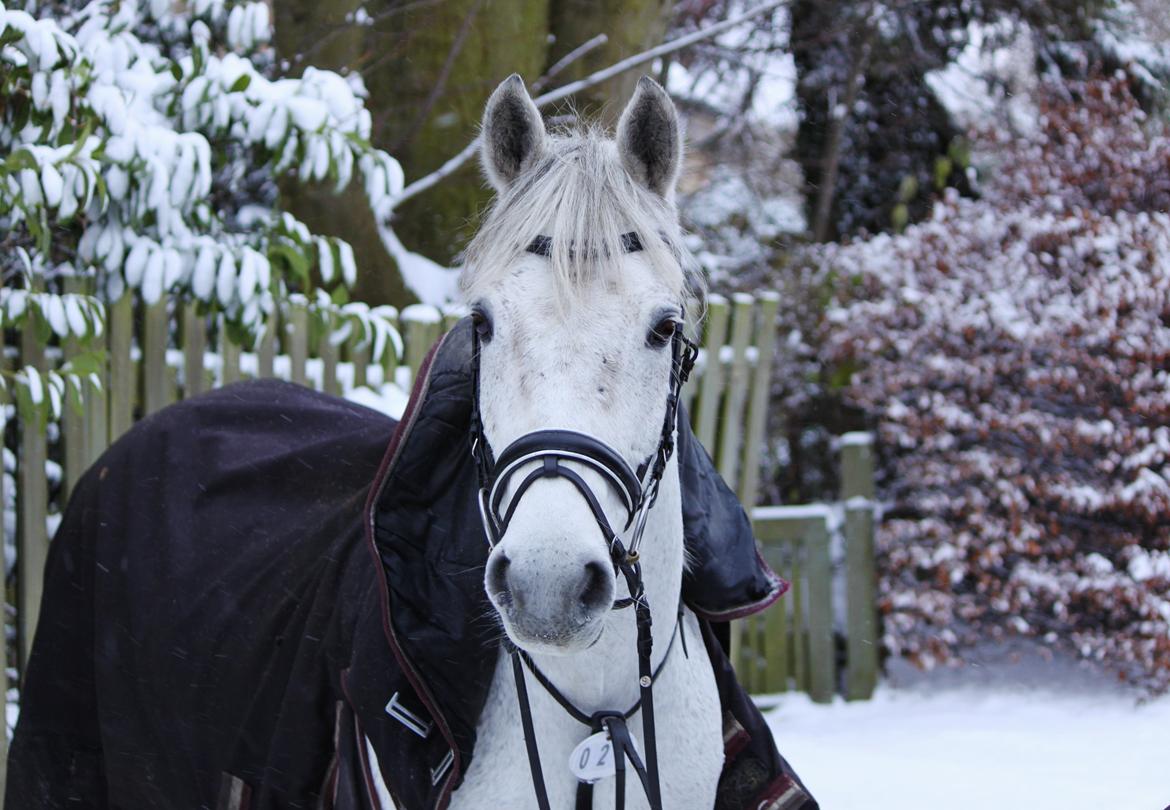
(638, 491)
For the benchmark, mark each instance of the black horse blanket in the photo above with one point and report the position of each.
(254, 588)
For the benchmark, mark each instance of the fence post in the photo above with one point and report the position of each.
(761, 389)
(328, 352)
(156, 393)
(778, 668)
(97, 422)
(359, 358)
(421, 324)
(857, 490)
(452, 316)
(266, 353)
(121, 390)
(296, 334)
(731, 421)
(32, 503)
(822, 680)
(710, 384)
(194, 346)
(73, 422)
(229, 356)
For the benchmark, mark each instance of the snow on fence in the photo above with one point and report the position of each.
(791, 646)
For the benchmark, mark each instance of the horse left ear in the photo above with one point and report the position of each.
(513, 133)
(648, 138)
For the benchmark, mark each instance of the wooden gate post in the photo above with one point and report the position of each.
(857, 491)
(32, 542)
(120, 327)
(156, 390)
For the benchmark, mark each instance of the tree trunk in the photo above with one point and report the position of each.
(631, 27)
(831, 162)
(427, 101)
(316, 33)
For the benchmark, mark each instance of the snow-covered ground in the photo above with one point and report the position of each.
(962, 747)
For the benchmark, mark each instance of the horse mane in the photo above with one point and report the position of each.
(577, 193)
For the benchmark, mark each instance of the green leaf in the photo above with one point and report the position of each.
(239, 334)
(959, 152)
(841, 376)
(22, 111)
(84, 364)
(24, 404)
(44, 330)
(10, 35)
(908, 188)
(293, 260)
(197, 60)
(900, 216)
(44, 242)
(73, 395)
(240, 84)
(20, 159)
(942, 172)
(86, 131)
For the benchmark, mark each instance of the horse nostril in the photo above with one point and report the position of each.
(597, 587)
(497, 578)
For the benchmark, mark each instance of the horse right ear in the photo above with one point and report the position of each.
(513, 133)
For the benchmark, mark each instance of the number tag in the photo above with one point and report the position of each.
(593, 759)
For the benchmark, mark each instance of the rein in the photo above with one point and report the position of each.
(638, 491)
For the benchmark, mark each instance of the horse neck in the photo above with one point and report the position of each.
(605, 676)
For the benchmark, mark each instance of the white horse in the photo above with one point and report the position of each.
(579, 339)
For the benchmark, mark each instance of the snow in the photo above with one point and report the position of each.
(970, 747)
(388, 398)
(857, 438)
(430, 281)
(807, 511)
(987, 84)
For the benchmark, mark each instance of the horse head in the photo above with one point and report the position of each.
(578, 282)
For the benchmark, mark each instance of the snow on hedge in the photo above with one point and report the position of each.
(1016, 352)
(141, 149)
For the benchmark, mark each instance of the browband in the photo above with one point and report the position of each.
(542, 245)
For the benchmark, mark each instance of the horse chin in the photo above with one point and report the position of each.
(574, 638)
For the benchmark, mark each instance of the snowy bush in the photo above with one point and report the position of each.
(142, 142)
(1015, 351)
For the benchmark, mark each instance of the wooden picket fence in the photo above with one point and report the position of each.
(809, 641)
(166, 352)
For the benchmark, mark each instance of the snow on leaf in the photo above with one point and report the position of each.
(348, 265)
(225, 279)
(75, 316)
(54, 311)
(136, 262)
(307, 114)
(325, 259)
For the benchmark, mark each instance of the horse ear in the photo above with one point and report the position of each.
(648, 138)
(513, 132)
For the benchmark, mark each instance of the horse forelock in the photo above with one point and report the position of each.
(578, 194)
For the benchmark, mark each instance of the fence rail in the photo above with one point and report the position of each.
(168, 351)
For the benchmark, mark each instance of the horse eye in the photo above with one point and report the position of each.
(482, 324)
(662, 332)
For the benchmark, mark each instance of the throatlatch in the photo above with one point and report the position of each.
(544, 454)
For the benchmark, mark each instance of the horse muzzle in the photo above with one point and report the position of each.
(553, 592)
